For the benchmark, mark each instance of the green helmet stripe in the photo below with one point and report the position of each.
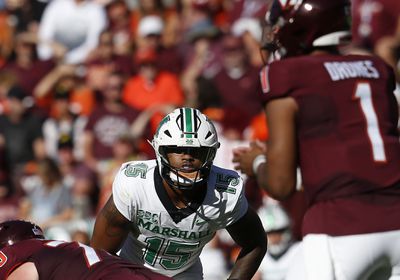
(188, 122)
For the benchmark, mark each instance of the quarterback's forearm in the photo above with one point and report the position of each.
(278, 175)
(279, 185)
(247, 263)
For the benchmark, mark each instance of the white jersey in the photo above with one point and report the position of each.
(164, 238)
(277, 269)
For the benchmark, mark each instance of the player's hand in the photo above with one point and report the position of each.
(243, 157)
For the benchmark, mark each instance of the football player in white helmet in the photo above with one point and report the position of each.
(283, 251)
(185, 131)
(163, 211)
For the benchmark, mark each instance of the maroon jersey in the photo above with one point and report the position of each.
(348, 142)
(372, 20)
(59, 260)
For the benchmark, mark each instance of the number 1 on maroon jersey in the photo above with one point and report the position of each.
(364, 94)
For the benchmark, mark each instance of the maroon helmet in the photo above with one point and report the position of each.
(296, 27)
(14, 231)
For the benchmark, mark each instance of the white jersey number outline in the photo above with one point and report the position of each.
(89, 253)
(363, 93)
(175, 255)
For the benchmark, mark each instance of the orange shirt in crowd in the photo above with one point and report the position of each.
(259, 127)
(83, 101)
(141, 95)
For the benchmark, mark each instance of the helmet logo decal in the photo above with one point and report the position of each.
(136, 170)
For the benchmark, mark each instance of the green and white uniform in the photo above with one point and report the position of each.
(164, 238)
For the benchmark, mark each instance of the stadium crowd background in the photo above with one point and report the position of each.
(83, 85)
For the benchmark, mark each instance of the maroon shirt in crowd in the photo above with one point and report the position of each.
(107, 127)
(240, 97)
(29, 77)
(372, 20)
(61, 260)
(348, 142)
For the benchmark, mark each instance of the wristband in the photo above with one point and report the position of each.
(258, 161)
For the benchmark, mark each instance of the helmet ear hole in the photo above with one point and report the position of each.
(168, 133)
(209, 134)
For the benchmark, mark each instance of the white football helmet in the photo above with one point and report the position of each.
(275, 219)
(185, 128)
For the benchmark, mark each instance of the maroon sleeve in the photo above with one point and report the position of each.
(275, 81)
(13, 256)
(8, 262)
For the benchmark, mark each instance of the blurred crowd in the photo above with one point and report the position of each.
(84, 84)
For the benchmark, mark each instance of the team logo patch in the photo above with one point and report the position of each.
(136, 170)
(226, 183)
(264, 79)
(37, 231)
(3, 259)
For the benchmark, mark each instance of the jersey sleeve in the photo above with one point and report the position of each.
(237, 204)
(11, 257)
(7, 263)
(121, 195)
(275, 81)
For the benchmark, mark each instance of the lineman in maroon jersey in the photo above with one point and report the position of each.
(25, 254)
(335, 117)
